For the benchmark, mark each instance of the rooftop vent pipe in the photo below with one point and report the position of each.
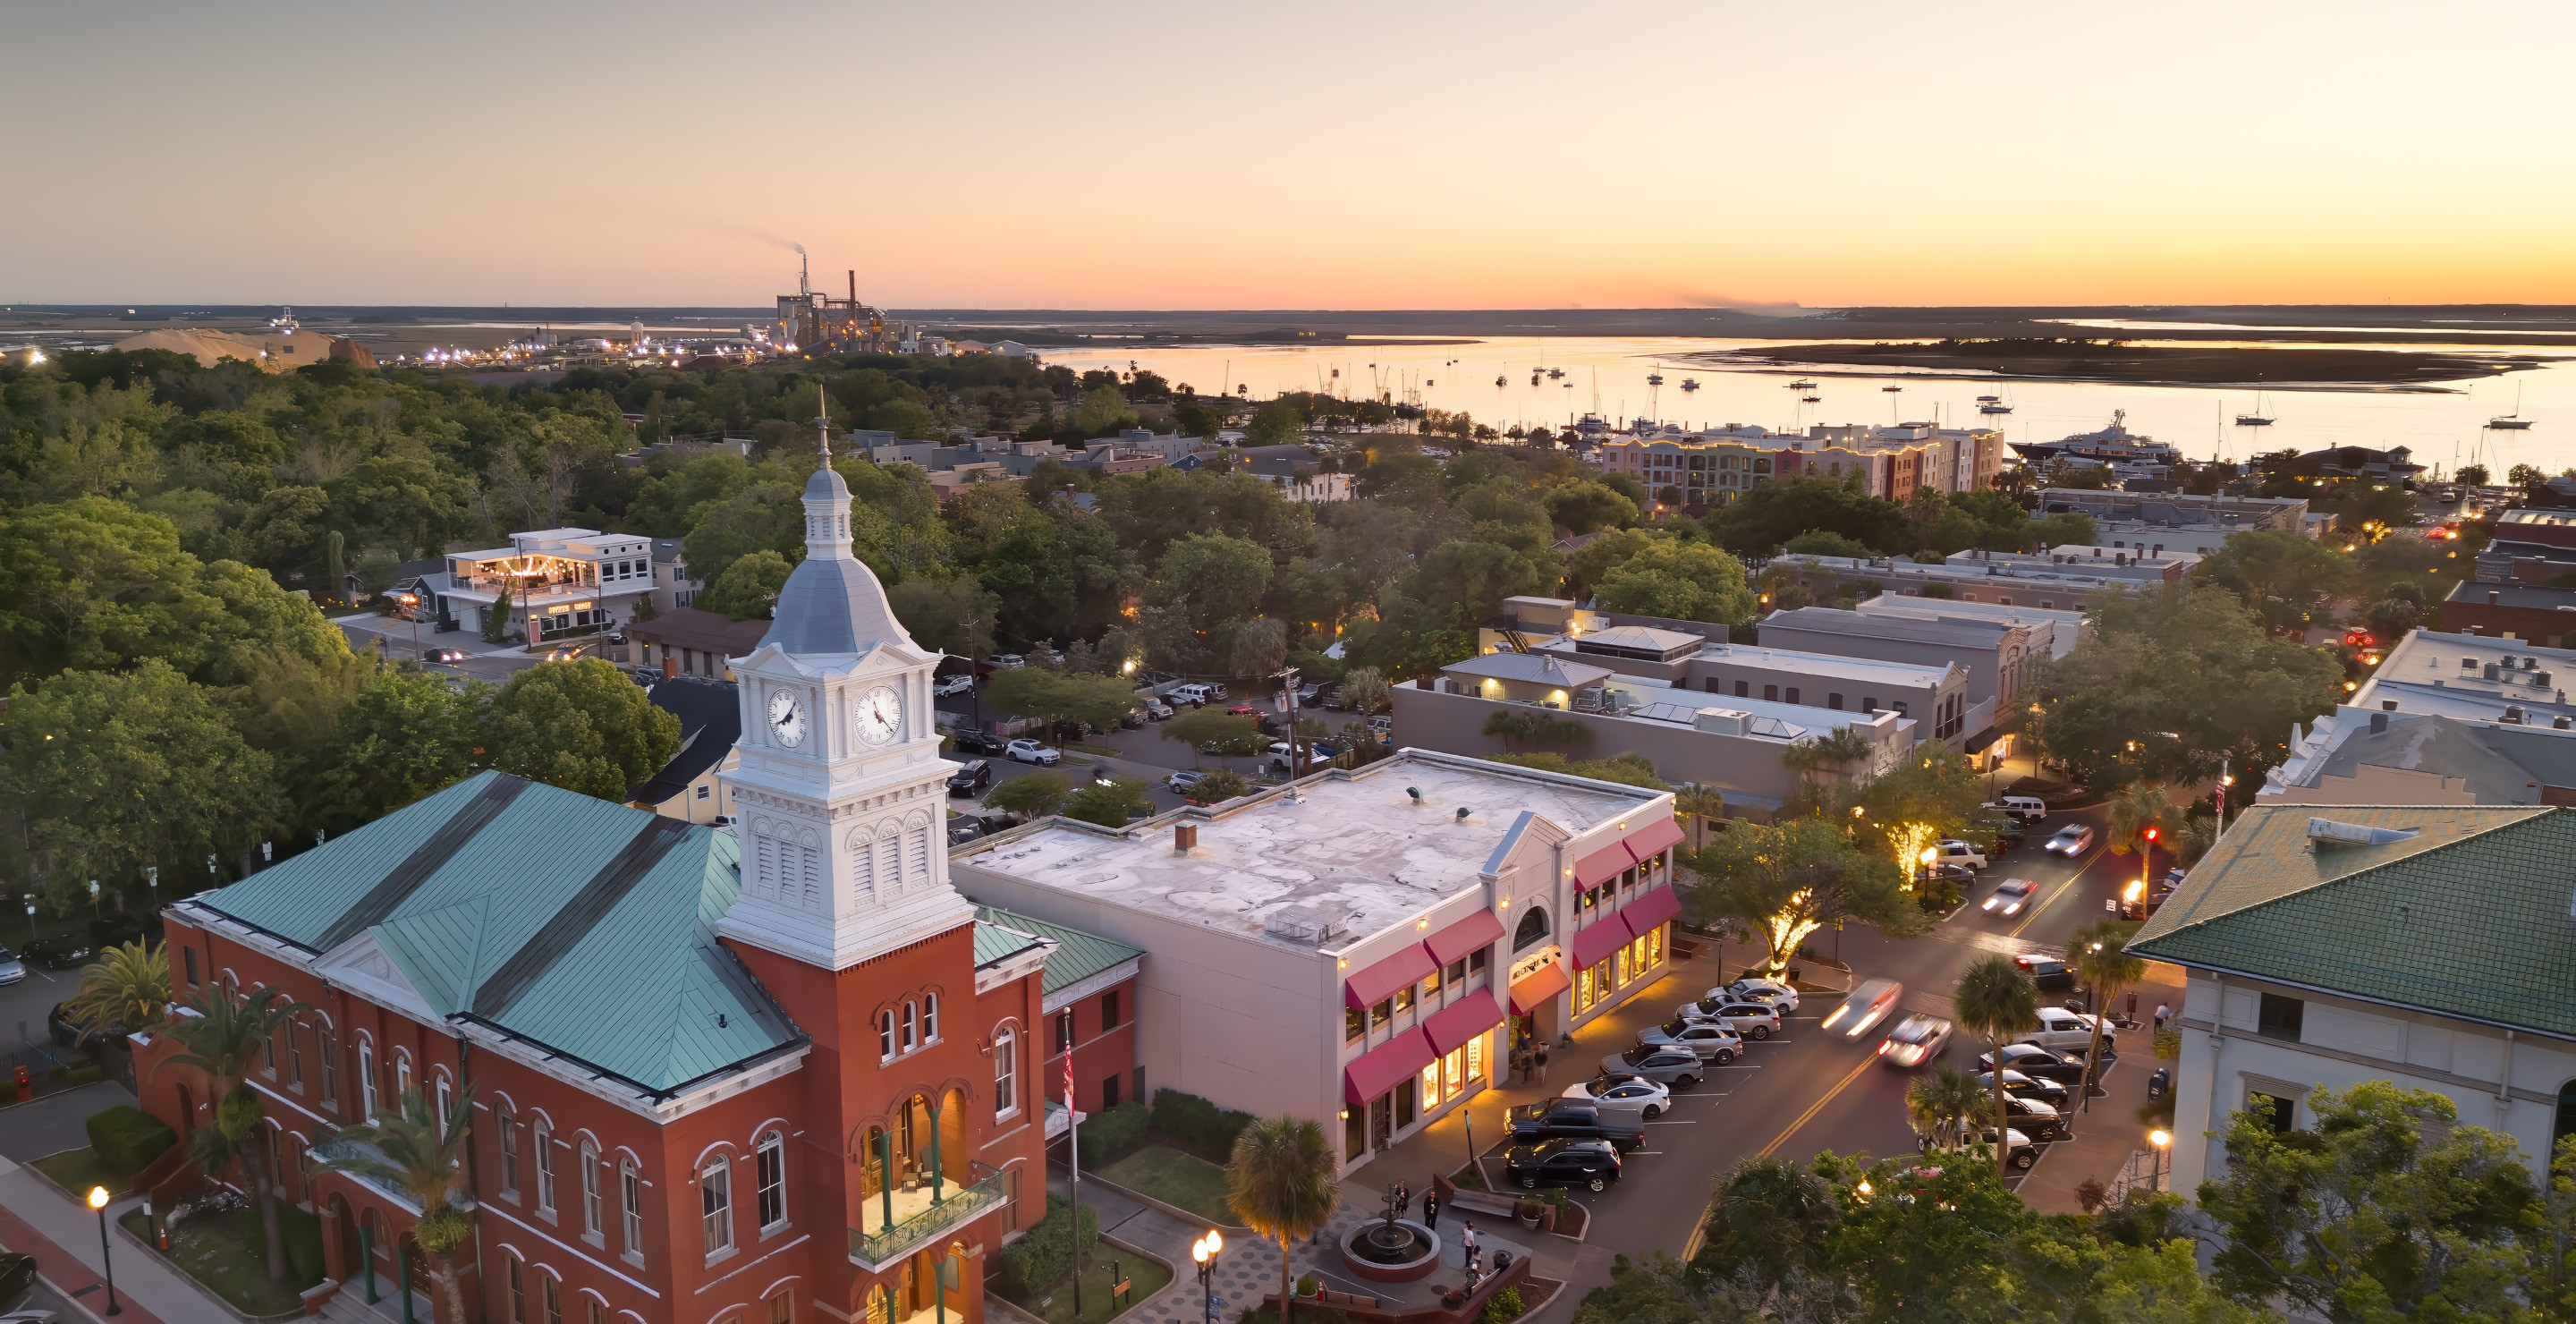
(1185, 837)
(1463, 811)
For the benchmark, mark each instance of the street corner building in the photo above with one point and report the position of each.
(747, 1074)
(1366, 948)
(2433, 946)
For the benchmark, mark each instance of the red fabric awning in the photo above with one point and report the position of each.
(1653, 840)
(1544, 983)
(1648, 911)
(1603, 865)
(1477, 930)
(1471, 1016)
(1594, 945)
(1386, 1066)
(1380, 980)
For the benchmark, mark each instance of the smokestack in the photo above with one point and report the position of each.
(854, 288)
(2494, 597)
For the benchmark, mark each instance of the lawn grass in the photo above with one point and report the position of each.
(1181, 1180)
(1055, 1305)
(210, 1249)
(77, 1170)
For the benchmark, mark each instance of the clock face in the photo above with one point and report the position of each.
(880, 715)
(787, 719)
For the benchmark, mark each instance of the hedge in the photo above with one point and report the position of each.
(1199, 1124)
(1110, 1134)
(127, 1138)
(303, 1233)
(1037, 1260)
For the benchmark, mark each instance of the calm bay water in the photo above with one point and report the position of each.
(2443, 428)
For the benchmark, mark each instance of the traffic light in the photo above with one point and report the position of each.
(2151, 834)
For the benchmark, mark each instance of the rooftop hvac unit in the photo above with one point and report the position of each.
(1307, 924)
(2327, 832)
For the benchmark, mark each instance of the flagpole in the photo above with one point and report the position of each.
(1073, 1146)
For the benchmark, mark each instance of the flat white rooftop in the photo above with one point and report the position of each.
(1826, 664)
(1359, 852)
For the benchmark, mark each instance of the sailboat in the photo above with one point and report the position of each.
(1690, 383)
(1891, 390)
(2513, 422)
(1802, 384)
(1811, 399)
(2257, 419)
(1656, 378)
(1500, 380)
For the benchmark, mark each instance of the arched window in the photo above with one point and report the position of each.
(885, 1035)
(509, 1129)
(440, 1121)
(544, 1142)
(911, 1026)
(772, 1175)
(1533, 928)
(1006, 1072)
(402, 1073)
(367, 1080)
(715, 1204)
(630, 1198)
(2566, 1125)
(518, 1292)
(554, 1298)
(589, 1190)
(930, 1018)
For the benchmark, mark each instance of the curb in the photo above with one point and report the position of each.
(1171, 1211)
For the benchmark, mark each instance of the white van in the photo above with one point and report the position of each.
(2028, 806)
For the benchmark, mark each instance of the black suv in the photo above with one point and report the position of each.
(1566, 1119)
(1588, 1163)
(2050, 975)
(977, 742)
(970, 779)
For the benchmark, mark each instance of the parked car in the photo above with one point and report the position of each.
(1622, 1097)
(1570, 1119)
(977, 742)
(2048, 974)
(2060, 1028)
(961, 683)
(1331, 698)
(1955, 873)
(2039, 1119)
(1675, 1066)
(2030, 807)
(11, 968)
(67, 1033)
(2018, 1150)
(1712, 1041)
(963, 830)
(1961, 853)
(2071, 840)
(2039, 1064)
(1592, 1164)
(443, 656)
(17, 1280)
(1752, 987)
(1916, 1040)
(115, 929)
(1185, 781)
(1158, 710)
(2010, 897)
(1247, 710)
(2021, 1086)
(1006, 661)
(1306, 693)
(2009, 834)
(1030, 751)
(1196, 696)
(63, 951)
(1866, 1007)
(1746, 1016)
(972, 779)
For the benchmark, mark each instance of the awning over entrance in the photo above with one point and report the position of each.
(1386, 1066)
(1647, 912)
(1380, 980)
(1594, 945)
(1471, 1016)
(1602, 865)
(1544, 983)
(1658, 835)
(1478, 930)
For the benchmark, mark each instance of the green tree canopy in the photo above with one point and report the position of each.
(1684, 581)
(580, 725)
(951, 615)
(1762, 518)
(1787, 879)
(748, 589)
(1030, 795)
(405, 734)
(1110, 805)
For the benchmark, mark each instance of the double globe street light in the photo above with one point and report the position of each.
(1204, 1251)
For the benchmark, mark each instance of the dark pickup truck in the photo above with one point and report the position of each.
(1565, 1120)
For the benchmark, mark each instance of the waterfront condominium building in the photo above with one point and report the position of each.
(1889, 461)
(766, 1072)
(1365, 948)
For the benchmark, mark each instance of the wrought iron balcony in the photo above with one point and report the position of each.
(877, 1244)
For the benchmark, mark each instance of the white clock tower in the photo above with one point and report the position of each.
(841, 795)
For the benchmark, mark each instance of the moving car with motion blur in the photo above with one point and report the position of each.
(2010, 897)
(1915, 1040)
(1865, 1008)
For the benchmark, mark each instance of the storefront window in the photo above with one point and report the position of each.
(1352, 1024)
(1453, 1070)
(1587, 989)
(1619, 965)
(1431, 986)
(1476, 1057)
(1404, 998)
(1382, 1012)
(1457, 971)
(1431, 1086)
(1654, 941)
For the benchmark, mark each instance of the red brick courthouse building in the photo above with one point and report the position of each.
(746, 1075)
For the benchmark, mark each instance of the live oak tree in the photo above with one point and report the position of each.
(580, 725)
(747, 589)
(405, 734)
(1786, 879)
(1683, 581)
(1061, 697)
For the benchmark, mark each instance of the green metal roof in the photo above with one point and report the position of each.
(2468, 917)
(993, 944)
(1077, 957)
(581, 925)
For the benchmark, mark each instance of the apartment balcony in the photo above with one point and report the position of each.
(878, 1243)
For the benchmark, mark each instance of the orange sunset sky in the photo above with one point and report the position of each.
(1290, 155)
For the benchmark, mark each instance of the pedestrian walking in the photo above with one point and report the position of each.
(1467, 1242)
(2162, 1011)
(2133, 1005)
(1403, 1199)
(1431, 1208)
(1542, 1064)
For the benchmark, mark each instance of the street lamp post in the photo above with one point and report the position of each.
(1204, 1251)
(107, 1266)
(2160, 1138)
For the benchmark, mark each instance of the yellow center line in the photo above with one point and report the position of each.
(1814, 1108)
(2043, 904)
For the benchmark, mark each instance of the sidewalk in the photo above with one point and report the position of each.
(2105, 1136)
(63, 1236)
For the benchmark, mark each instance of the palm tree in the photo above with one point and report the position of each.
(225, 1039)
(1281, 1184)
(1996, 1001)
(126, 988)
(2139, 813)
(2099, 952)
(419, 1152)
(1941, 1102)
(1814, 754)
(1511, 724)
(1701, 804)
(1769, 1216)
